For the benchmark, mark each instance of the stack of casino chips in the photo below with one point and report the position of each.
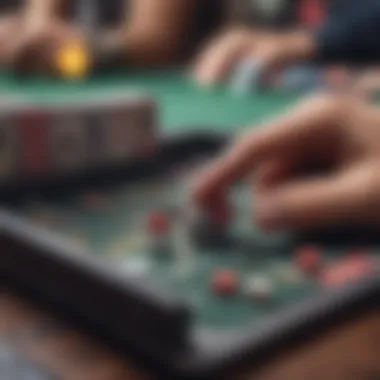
(41, 140)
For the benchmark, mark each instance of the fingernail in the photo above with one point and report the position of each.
(270, 215)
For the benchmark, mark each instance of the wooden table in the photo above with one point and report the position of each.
(350, 352)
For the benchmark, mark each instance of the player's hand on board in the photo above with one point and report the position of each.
(317, 166)
(273, 50)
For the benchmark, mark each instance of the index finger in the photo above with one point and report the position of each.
(312, 123)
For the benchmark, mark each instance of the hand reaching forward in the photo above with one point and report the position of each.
(318, 165)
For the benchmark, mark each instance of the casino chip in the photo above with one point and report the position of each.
(158, 223)
(348, 270)
(309, 259)
(73, 61)
(225, 282)
(259, 287)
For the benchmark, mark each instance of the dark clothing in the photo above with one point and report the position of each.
(271, 13)
(97, 13)
(10, 5)
(352, 32)
(280, 14)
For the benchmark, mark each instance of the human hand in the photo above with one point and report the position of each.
(273, 50)
(317, 166)
(37, 47)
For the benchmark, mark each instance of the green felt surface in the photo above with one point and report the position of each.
(182, 102)
(116, 231)
(112, 225)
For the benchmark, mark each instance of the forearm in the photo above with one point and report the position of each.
(154, 33)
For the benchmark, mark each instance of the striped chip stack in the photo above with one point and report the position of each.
(37, 140)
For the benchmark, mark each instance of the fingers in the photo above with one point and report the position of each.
(275, 172)
(304, 130)
(350, 197)
(221, 56)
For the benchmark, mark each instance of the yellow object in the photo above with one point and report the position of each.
(73, 61)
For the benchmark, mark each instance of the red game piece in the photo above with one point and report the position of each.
(309, 259)
(158, 223)
(347, 270)
(225, 282)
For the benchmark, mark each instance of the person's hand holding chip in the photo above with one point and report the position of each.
(317, 166)
(40, 42)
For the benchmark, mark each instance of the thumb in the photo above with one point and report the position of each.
(349, 198)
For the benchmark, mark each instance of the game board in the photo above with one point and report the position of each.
(212, 305)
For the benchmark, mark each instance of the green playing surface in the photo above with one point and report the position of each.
(114, 229)
(110, 223)
(182, 103)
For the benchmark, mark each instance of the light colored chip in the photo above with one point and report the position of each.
(136, 266)
(259, 287)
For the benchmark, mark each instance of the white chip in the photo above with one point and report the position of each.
(136, 266)
(259, 287)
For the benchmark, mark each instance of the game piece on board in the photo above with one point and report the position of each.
(225, 282)
(184, 248)
(247, 77)
(259, 287)
(309, 259)
(159, 228)
(158, 223)
(136, 266)
(73, 61)
(206, 232)
(348, 270)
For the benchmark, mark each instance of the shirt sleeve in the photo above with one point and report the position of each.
(352, 33)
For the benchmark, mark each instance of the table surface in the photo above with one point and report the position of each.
(347, 353)
(182, 103)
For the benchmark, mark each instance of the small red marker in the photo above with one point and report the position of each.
(225, 282)
(158, 223)
(309, 259)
